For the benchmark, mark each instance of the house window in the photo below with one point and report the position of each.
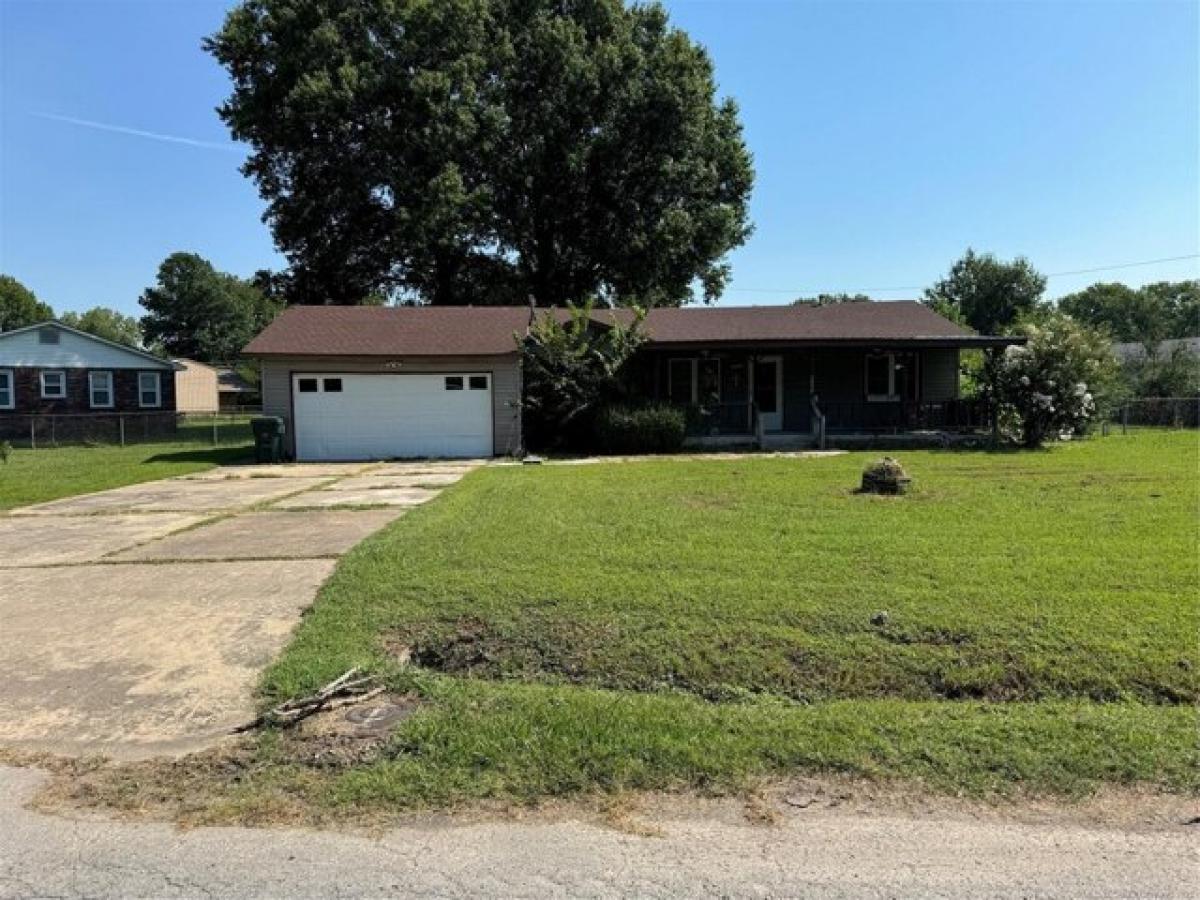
(892, 376)
(7, 394)
(48, 336)
(333, 385)
(681, 381)
(477, 382)
(54, 385)
(100, 389)
(307, 385)
(454, 382)
(149, 389)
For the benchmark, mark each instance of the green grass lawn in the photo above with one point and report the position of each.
(1021, 621)
(36, 476)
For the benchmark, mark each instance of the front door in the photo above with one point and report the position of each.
(768, 391)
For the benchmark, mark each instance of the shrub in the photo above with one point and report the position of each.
(1052, 385)
(640, 429)
(570, 370)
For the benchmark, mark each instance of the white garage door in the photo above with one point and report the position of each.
(356, 416)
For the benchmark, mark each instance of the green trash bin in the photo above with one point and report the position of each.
(268, 438)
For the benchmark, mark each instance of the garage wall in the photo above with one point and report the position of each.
(505, 372)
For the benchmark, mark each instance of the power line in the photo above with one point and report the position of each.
(921, 287)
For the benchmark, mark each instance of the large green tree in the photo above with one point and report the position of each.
(986, 293)
(196, 312)
(487, 151)
(19, 306)
(1147, 314)
(106, 323)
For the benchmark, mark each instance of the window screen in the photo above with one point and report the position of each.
(100, 386)
(680, 378)
(333, 385)
(454, 382)
(6, 389)
(148, 389)
(307, 385)
(878, 375)
(478, 382)
(54, 385)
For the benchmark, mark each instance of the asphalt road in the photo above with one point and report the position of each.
(816, 854)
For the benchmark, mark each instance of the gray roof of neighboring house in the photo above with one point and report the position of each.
(491, 330)
(1133, 350)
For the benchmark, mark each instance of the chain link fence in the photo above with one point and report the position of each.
(123, 429)
(1155, 412)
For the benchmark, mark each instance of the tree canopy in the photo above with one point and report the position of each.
(1147, 314)
(487, 151)
(194, 311)
(19, 306)
(986, 293)
(106, 323)
(830, 299)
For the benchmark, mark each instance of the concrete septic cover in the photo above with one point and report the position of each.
(379, 717)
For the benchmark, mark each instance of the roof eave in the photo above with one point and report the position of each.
(943, 342)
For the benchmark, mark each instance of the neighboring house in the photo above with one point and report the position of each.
(195, 387)
(203, 388)
(381, 382)
(1135, 351)
(51, 368)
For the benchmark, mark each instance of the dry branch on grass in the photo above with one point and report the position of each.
(347, 689)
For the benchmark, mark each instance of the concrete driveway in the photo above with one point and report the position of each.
(136, 620)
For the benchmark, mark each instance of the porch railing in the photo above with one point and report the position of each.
(891, 417)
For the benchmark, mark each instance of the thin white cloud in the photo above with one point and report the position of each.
(138, 132)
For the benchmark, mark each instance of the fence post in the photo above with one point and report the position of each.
(1125, 419)
(214, 424)
(121, 422)
(32, 433)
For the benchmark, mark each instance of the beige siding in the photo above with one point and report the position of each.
(506, 386)
(939, 375)
(195, 387)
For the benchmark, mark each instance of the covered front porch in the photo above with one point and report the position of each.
(787, 396)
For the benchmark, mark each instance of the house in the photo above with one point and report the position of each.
(201, 388)
(381, 382)
(50, 369)
(1136, 351)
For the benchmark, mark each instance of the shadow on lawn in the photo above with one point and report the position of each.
(218, 455)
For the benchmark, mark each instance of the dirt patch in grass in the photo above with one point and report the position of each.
(244, 784)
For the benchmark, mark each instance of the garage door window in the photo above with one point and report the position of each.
(307, 385)
(333, 385)
(454, 382)
(478, 382)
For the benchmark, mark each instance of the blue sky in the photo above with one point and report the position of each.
(887, 138)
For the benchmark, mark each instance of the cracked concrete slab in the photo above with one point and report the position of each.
(404, 497)
(175, 496)
(137, 660)
(47, 540)
(372, 482)
(269, 535)
(460, 467)
(281, 470)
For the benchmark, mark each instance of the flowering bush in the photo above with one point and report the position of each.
(1051, 386)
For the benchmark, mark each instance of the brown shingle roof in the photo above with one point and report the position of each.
(489, 330)
(391, 331)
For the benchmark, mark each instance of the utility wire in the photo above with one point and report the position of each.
(885, 290)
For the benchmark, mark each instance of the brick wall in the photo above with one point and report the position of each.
(28, 387)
